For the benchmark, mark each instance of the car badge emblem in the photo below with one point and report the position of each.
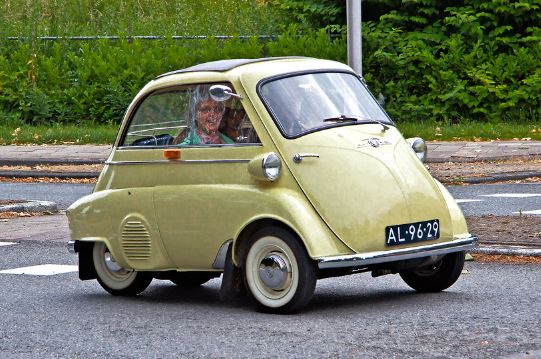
(374, 142)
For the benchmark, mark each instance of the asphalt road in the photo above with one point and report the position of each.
(475, 200)
(498, 199)
(63, 194)
(492, 311)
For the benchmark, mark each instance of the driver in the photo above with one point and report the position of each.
(208, 115)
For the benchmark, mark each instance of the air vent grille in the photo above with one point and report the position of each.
(136, 240)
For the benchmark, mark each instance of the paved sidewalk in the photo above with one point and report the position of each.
(53, 154)
(443, 151)
(482, 151)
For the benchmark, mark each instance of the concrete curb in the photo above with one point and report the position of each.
(507, 250)
(464, 159)
(40, 174)
(503, 177)
(496, 177)
(49, 161)
(30, 206)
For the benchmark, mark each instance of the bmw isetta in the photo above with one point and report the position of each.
(275, 172)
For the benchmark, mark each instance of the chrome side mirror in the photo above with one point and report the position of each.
(222, 93)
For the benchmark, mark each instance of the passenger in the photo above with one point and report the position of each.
(232, 124)
(207, 115)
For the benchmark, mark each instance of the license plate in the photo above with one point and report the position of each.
(412, 232)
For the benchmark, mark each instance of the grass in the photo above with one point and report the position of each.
(57, 134)
(472, 131)
(137, 17)
(103, 134)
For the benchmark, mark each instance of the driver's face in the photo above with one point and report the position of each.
(209, 115)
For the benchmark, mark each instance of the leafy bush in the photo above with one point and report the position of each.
(477, 62)
(430, 60)
(315, 13)
(95, 81)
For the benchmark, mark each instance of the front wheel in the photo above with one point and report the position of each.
(279, 274)
(436, 277)
(115, 279)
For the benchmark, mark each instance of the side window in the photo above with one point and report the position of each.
(188, 116)
(158, 119)
(236, 124)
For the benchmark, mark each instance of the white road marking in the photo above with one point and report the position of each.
(44, 269)
(537, 211)
(7, 244)
(512, 195)
(468, 200)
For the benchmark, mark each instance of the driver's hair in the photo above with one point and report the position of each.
(199, 95)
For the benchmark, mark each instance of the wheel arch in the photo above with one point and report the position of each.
(240, 245)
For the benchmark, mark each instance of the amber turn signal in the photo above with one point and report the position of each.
(171, 154)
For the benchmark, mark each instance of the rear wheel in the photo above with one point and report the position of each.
(192, 279)
(436, 277)
(115, 279)
(279, 274)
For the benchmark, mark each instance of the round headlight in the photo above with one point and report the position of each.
(271, 166)
(419, 147)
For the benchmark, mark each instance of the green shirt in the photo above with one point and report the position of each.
(193, 139)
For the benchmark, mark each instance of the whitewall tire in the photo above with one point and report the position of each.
(279, 274)
(115, 279)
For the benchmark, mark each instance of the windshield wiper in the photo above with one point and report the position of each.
(342, 118)
(348, 118)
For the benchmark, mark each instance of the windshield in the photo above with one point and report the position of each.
(309, 102)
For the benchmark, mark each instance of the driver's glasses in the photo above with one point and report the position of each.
(206, 110)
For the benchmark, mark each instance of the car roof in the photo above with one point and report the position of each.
(226, 65)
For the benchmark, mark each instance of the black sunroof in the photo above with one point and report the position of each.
(225, 65)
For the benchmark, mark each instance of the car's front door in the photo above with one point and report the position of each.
(200, 201)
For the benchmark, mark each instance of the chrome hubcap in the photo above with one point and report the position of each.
(111, 264)
(273, 272)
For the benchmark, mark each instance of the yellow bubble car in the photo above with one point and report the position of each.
(273, 172)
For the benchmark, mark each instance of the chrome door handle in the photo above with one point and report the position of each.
(299, 156)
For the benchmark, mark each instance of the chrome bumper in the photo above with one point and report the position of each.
(366, 259)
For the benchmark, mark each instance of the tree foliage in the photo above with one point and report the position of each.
(479, 61)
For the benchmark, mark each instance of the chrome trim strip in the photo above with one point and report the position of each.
(163, 147)
(219, 262)
(178, 162)
(71, 246)
(365, 259)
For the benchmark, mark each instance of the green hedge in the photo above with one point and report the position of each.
(95, 81)
(428, 60)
